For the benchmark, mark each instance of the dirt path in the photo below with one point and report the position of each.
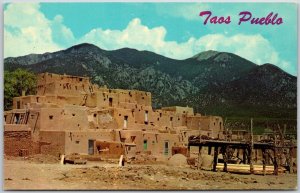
(25, 175)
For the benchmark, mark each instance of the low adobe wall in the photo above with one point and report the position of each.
(19, 143)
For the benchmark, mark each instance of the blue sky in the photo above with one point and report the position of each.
(172, 29)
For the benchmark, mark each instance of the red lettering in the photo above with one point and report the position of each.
(202, 13)
(279, 21)
(221, 20)
(227, 20)
(213, 20)
(245, 18)
(273, 19)
(270, 19)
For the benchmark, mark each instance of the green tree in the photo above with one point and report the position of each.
(15, 82)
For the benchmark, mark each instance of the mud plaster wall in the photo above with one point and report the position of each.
(211, 126)
(68, 118)
(34, 122)
(77, 142)
(65, 84)
(102, 120)
(52, 142)
(109, 150)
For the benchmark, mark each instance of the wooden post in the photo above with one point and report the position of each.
(251, 161)
(264, 161)
(275, 162)
(244, 156)
(251, 149)
(224, 153)
(216, 152)
(209, 150)
(62, 159)
(238, 152)
(121, 161)
(199, 157)
(291, 160)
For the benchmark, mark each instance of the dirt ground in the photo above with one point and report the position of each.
(36, 173)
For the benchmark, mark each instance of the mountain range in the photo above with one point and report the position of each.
(212, 82)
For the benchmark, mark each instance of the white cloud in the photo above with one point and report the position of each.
(27, 30)
(252, 47)
(139, 36)
(60, 33)
(136, 35)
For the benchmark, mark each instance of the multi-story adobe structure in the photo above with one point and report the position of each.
(70, 115)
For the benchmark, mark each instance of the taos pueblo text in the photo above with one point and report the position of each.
(245, 17)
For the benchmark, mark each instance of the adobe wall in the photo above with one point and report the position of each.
(58, 100)
(179, 110)
(19, 143)
(78, 141)
(67, 118)
(152, 143)
(52, 142)
(109, 149)
(34, 123)
(49, 83)
(211, 126)
(102, 119)
(120, 98)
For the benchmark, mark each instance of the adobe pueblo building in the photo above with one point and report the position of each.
(71, 115)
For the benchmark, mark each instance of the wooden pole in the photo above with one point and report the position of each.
(264, 161)
(209, 150)
(244, 156)
(291, 160)
(224, 153)
(275, 162)
(251, 149)
(216, 152)
(199, 157)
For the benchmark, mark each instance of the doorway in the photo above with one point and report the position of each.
(166, 148)
(145, 144)
(110, 102)
(125, 121)
(91, 147)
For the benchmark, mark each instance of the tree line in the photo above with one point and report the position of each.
(16, 82)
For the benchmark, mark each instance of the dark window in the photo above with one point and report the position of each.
(166, 148)
(18, 105)
(110, 102)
